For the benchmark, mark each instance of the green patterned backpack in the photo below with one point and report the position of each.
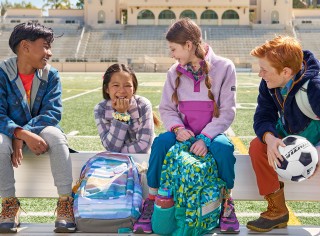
(197, 189)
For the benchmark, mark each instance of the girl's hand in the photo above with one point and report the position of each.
(184, 134)
(121, 105)
(199, 148)
(272, 150)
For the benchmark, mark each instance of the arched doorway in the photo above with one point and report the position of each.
(101, 17)
(188, 13)
(230, 17)
(145, 17)
(166, 17)
(274, 17)
(209, 17)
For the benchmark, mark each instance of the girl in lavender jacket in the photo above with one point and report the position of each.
(198, 101)
(124, 120)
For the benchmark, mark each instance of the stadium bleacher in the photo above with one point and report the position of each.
(132, 44)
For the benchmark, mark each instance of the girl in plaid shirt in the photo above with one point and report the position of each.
(124, 119)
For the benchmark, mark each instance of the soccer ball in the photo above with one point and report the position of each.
(300, 158)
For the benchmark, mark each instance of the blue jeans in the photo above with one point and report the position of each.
(221, 148)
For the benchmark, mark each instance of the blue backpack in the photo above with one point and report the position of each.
(197, 190)
(108, 196)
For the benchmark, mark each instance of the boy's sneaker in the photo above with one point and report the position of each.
(143, 225)
(65, 218)
(228, 219)
(9, 219)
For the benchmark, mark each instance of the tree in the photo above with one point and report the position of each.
(80, 4)
(58, 4)
(6, 4)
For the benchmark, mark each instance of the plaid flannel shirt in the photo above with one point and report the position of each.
(117, 136)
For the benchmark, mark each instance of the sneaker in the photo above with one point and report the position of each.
(65, 218)
(228, 219)
(143, 225)
(9, 219)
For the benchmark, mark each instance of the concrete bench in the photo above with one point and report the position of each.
(34, 179)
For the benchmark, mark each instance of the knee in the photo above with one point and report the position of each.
(5, 144)
(255, 146)
(53, 136)
(165, 140)
(221, 144)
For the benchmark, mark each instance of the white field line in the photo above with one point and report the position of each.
(239, 214)
(81, 94)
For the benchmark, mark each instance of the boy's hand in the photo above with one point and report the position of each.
(272, 150)
(121, 105)
(199, 148)
(317, 170)
(184, 134)
(35, 143)
(16, 156)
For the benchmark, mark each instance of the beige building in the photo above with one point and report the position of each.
(109, 13)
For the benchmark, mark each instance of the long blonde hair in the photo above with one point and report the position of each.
(180, 32)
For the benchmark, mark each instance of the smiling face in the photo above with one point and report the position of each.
(120, 86)
(273, 78)
(36, 55)
(181, 53)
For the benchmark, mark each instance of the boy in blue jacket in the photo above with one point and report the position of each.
(30, 110)
(284, 68)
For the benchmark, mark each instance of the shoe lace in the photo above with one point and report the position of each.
(64, 209)
(147, 210)
(10, 208)
(228, 208)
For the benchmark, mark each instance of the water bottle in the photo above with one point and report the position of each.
(164, 198)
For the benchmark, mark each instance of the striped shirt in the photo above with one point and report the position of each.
(117, 136)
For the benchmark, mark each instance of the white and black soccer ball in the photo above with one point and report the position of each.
(300, 158)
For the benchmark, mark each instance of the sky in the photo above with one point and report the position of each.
(39, 3)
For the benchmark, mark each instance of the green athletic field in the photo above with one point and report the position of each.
(82, 91)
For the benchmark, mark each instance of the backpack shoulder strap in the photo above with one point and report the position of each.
(303, 102)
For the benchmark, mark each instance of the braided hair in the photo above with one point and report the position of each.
(180, 32)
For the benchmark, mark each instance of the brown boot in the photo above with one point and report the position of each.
(276, 216)
(65, 218)
(9, 219)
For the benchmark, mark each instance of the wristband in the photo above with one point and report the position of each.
(205, 139)
(125, 117)
(175, 130)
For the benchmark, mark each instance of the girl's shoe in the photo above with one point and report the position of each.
(228, 219)
(143, 225)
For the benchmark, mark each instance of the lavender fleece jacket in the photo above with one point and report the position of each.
(223, 79)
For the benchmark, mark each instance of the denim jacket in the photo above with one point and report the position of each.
(46, 105)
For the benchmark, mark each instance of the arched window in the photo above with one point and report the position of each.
(230, 15)
(101, 17)
(274, 17)
(145, 14)
(167, 15)
(188, 13)
(209, 15)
